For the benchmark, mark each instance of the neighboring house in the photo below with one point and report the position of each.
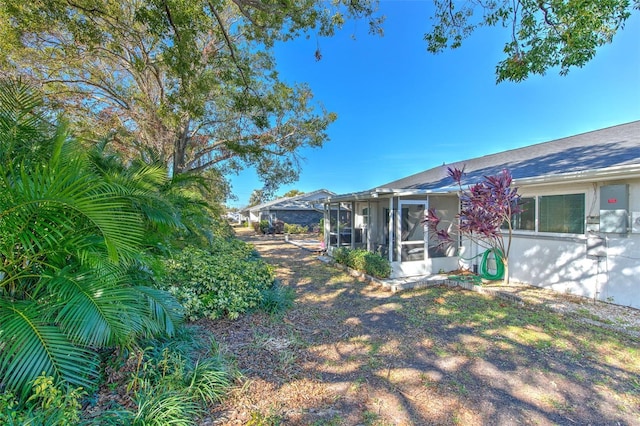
(579, 233)
(304, 209)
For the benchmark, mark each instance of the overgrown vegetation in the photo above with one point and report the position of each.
(73, 266)
(170, 381)
(159, 382)
(293, 228)
(48, 405)
(84, 243)
(227, 279)
(364, 261)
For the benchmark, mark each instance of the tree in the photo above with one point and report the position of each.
(192, 82)
(69, 240)
(486, 208)
(544, 34)
(258, 196)
(292, 193)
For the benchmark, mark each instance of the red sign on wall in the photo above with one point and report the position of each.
(612, 200)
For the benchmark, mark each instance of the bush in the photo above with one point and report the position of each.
(363, 261)
(295, 229)
(341, 255)
(229, 279)
(377, 265)
(49, 404)
(170, 381)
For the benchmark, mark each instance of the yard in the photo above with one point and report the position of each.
(349, 353)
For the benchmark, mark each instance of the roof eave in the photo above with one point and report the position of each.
(377, 193)
(631, 171)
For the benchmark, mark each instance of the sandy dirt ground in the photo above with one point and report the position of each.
(349, 353)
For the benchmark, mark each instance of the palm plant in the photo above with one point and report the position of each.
(184, 205)
(68, 238)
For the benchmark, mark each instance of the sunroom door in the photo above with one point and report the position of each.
(412, 232)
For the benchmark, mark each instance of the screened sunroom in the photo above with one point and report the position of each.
(391, 223)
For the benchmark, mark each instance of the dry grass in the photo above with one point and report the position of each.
(351, 354)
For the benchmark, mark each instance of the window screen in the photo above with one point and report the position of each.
(562, 213)
(526, 219)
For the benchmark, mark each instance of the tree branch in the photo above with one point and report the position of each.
(229, 44)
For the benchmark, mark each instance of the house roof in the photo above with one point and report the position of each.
(578, 156)
(298, 202)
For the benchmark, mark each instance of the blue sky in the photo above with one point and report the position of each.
(402, 110)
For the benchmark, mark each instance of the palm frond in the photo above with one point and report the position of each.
(166, 313)
(31, 347)
(95, 308)
(61, 196)
(23, 131)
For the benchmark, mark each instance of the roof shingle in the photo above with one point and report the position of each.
(599, 149)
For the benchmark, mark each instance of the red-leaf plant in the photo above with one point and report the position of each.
(486, 212)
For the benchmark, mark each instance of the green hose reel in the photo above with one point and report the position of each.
(497, 256)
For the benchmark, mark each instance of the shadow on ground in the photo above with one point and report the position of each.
(349, 353)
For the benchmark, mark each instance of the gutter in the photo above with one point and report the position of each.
(597, 175)
(386, 192)
(630, 171)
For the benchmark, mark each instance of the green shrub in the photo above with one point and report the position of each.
(364, 261)
(377, 265)
(358, 260)
(261, 227)
(48, 404)
(295, 229)
(341, 255)
(171, 381)
(221, 228)
(229, 279)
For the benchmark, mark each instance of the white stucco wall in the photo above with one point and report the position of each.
(560, 262)
(563, 265)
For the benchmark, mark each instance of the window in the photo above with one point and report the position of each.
(526, 219)
(562, 213)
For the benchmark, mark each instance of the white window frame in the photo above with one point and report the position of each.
(537, 231)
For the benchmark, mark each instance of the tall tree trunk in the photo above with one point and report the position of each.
(180, 149)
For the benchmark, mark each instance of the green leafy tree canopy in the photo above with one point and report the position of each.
(192, 82)
(544, 34)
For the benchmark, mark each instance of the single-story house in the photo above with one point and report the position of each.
(304, 209)
(579, 232)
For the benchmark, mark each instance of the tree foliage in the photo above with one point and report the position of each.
(486, 208)
(190, 82)
(292, 193)
(544, 34)
(70, 243)
(258, 196)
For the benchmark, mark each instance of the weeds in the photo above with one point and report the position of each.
(170, 381)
